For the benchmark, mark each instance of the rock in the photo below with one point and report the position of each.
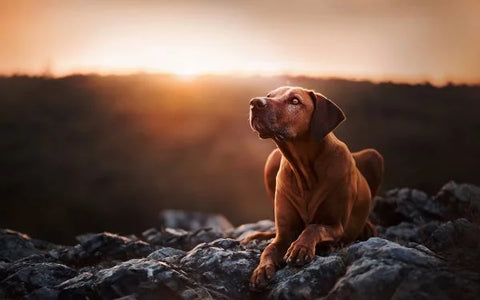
(245, 230)
(138, 278)
(104, 246)
(43, 293)
(8, 269)
(459, 201)
(179, 238)
(404, 232)
(15, 245)
(405, 205)
(167, 254)
(453, 201)
(223, 266)
(29, 278)
(383, 250)
(312, 281)
(79, 287)
(459, 242)
(438, 284)
(193, 221)
(376, 267)
(428, 247)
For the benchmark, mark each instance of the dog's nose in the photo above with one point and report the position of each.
(258, 103)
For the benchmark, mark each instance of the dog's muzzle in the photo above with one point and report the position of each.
(259, 117)
(258, 103)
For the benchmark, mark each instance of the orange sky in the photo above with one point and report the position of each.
(405, 40)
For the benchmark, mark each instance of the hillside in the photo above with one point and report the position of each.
(94, 153)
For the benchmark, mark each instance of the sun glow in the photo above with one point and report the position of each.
(244, 37)
(183, 58)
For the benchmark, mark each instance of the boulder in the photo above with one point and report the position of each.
(36, 278)
(376, 267)
(245, 230)
(427, 248)
(405, 205)
(405, 232)
(453, 201)
(312, 281)
(102, 247)
(137, 279)
(459, 201)
(459, 242)
(192, 221)
(179, 238)
(15, 245)
(223, 266)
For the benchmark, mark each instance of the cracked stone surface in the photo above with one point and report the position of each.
(428, 248)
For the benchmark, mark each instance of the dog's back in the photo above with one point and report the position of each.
(369, 162)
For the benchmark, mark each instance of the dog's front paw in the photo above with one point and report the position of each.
(261, 276)
(299, 254)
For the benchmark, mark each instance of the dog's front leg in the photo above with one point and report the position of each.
(288, 227)
(270, 261)
(302, 250)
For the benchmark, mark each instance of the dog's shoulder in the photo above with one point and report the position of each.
(339, 161)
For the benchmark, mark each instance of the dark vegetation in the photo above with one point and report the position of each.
(92, 153)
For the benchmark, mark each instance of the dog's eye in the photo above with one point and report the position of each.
(294, 101)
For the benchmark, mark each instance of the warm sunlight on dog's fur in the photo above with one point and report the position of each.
(322, 192)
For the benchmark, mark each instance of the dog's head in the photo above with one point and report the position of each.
(288, 113)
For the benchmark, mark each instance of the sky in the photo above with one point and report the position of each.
(399, 40)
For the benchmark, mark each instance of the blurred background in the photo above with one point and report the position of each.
(114, 110)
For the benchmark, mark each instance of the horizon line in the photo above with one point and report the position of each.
(191, 77)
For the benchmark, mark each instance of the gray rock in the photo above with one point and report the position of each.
(405, 205)
(167, 254)
(35, 276)
(438, 284)
(7, 269)
(459, 242)
(43, 293)
(312, 281)
(104, 246)
(459, 201)
(179, 238)
(382, 250)
(376, 267)
(136, 278)
(15, 245)
(245, 230)
(78, 287)
(453, 201)
(425, 250)
(404, 232)
(223, 266)
(192, 221)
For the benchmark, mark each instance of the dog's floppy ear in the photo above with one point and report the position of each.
(326, 116)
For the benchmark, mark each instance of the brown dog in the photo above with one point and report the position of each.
(322, 192)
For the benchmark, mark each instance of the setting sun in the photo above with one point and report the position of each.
(181, 57)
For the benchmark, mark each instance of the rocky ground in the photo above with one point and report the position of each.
(428, 248)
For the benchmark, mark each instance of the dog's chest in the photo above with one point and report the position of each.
(306, 202)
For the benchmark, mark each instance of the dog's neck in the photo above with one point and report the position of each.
(301, 154)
